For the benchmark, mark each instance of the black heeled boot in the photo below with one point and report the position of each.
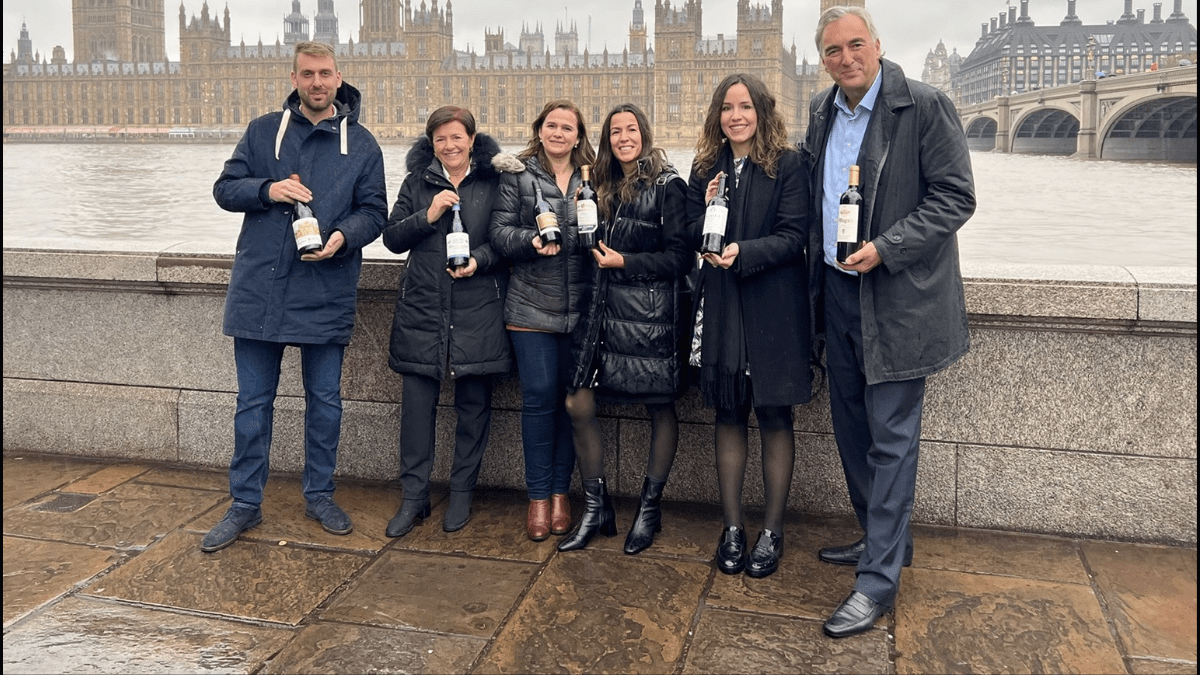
(598, 516)
(648, 519)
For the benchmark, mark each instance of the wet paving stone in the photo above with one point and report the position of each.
(1158, 667)
(36, 572)
(736, 642)
(106, 479)
(1003, 553)
(83, 635)
(248, 579)
(802, 587)
(27, 477)
(129, 515)
(63, 502)
(595, 612)
(199, 479)
(336, 648)
(953, 622)
(446, 594)
(1151, 596)
(284, 520)
(496, 528)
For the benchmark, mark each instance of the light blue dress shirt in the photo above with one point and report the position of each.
(841, 152)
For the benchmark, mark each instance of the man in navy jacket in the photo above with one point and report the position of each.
(894, 312)
(312, 151)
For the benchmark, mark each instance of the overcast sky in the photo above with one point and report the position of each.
(908, 30)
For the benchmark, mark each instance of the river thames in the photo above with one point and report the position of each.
(1032, 208)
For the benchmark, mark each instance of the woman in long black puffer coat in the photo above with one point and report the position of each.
(628, 342)
(448, 322)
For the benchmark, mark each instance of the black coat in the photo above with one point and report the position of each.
(544, 291)
(769, 275)
(628, 340)
(918, 190)
(440, 320)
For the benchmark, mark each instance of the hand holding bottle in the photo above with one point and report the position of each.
(289, 190)
(727, 257)
(866, 259)
(543, 248)
(336, 240)
(467, 270)
(441, 202)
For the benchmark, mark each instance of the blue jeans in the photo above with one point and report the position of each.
(258, 365)
(544, 364)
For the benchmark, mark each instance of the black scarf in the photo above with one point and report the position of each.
(723, 359)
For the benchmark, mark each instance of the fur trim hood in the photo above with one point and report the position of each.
(486, 157)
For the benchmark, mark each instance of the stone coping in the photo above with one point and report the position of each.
(1072, 292)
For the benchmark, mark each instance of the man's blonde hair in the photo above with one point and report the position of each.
(310, 48)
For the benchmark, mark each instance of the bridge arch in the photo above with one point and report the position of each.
(1046, 130)
(981, 133)
(1161, 127)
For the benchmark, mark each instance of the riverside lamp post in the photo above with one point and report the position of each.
(1091, 57)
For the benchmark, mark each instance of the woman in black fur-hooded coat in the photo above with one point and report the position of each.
(448, 323)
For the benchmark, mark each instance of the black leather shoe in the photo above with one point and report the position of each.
(850, 553)
(458, 513)
(731, 552)
(855, 615)
(331, 516)
(764, 559)
(407, 517)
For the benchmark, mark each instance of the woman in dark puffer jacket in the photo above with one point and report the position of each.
(628, 339)
(448, 323)
(543, 304)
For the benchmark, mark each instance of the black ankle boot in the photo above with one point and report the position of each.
(598, 516)
(648, 519)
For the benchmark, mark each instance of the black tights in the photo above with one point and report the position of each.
(664, 436)
(778, 459)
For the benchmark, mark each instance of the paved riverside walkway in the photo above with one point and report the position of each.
(103, 573)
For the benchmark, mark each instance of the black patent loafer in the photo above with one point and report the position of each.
(764, 559)
(850, 553)
(731, 552)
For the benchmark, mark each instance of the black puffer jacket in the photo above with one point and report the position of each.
(629, 337)
(544, 291)
(440, 320)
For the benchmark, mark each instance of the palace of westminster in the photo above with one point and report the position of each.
(121, 83)
(405, 65)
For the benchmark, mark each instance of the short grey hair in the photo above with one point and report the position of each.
(840, 12)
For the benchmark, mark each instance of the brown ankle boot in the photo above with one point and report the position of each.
(537, 524)
(560, 514)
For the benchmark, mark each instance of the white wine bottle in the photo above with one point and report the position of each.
(715, 218)
(458, 243)
(305, 227)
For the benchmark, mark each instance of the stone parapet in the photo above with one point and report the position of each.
(1074, 413)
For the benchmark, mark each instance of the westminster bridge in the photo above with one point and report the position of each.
(1145, 116)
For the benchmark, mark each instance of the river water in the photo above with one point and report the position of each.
(1032, 208)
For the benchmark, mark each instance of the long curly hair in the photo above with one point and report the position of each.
(770, 138)
(611, 182)
(583, 153)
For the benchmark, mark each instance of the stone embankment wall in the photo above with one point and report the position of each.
(1074, 412)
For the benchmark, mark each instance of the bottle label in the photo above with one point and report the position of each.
(847, 224)
(714, 219)
(458, 244)
(547, 221)
(308, 233)
(586, 216)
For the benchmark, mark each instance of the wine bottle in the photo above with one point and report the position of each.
(715, 218)
(850, 233)
(585, 212)
(305, 227)
(458, 243)
(547, 220)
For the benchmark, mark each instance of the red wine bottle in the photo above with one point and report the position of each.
(715, 218)
(850, 233)
(547, 220)
(458, 243)
(305, 227)
(586, 214)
